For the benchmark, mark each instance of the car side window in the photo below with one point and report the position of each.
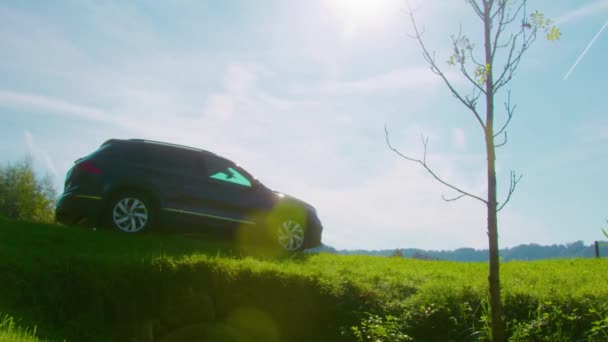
(160, 157)
(224, 171)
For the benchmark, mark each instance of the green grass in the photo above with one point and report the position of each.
(10, 332)
(83, 285)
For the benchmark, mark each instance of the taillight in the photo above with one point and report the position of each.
(89, 167)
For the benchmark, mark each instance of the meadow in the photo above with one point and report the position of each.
(67, 283)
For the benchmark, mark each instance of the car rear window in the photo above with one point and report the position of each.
(103, 151)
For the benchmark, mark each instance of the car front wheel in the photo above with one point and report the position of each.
(290, 235)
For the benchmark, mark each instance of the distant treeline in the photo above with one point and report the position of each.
(532, 251)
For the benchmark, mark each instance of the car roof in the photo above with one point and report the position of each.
(153, 142)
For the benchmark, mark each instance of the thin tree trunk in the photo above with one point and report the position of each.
(496, 15)
(494, 278)
(498, 334)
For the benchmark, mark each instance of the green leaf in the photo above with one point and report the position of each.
(554, 34)
(482, 73)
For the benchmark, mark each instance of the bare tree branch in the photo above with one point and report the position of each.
(463, 48)
(424, 164)
(507, 43)
(510, 110)
(513, 62)
(425, 142)
(512, 186)
(515, 15)
(452, 199)
(476, 8)
(501, 26)
(504, 142)
(516, 50)
(505, 20)
(435, 69)
(508, 65)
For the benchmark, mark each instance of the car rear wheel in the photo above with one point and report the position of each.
(290, 235)
(130, 213)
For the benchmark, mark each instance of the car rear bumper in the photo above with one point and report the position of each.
(75, 208)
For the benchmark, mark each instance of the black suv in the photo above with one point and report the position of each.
(135, 185)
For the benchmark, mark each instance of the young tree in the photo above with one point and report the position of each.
(508, 32)
(23, 196)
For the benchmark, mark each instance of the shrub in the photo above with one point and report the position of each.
(24, 196)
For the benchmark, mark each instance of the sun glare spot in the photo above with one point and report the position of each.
(357, 14)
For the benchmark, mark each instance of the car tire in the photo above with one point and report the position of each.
(290, 234)
(130, 212)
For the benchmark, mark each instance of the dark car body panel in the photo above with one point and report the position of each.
(73, 208)
(176, 179)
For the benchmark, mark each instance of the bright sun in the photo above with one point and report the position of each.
(355, 14)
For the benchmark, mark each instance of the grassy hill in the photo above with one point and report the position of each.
(84, 285)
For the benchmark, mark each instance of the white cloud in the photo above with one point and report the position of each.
(135, 120)
(411, 78)
(45, 103)
(298, 40)
(219, 107)
(592, 132)
(344, 119)
(280, 104)
(37, 152)
(355, 15)
(29, 142)
(603, 132)
(400, 207)
(459, 138)
(593, 8)
(238, 79)
(240, 82)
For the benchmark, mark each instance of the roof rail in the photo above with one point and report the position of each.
(146, 141)
(108, 142)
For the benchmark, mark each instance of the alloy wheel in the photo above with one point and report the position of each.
(291, 235)
(130, 215)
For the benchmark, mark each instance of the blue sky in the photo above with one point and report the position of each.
(298, 93)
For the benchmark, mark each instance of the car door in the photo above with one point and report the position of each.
(227, 194)
(175, 173)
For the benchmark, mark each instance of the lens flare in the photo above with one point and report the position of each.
(279, 232)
